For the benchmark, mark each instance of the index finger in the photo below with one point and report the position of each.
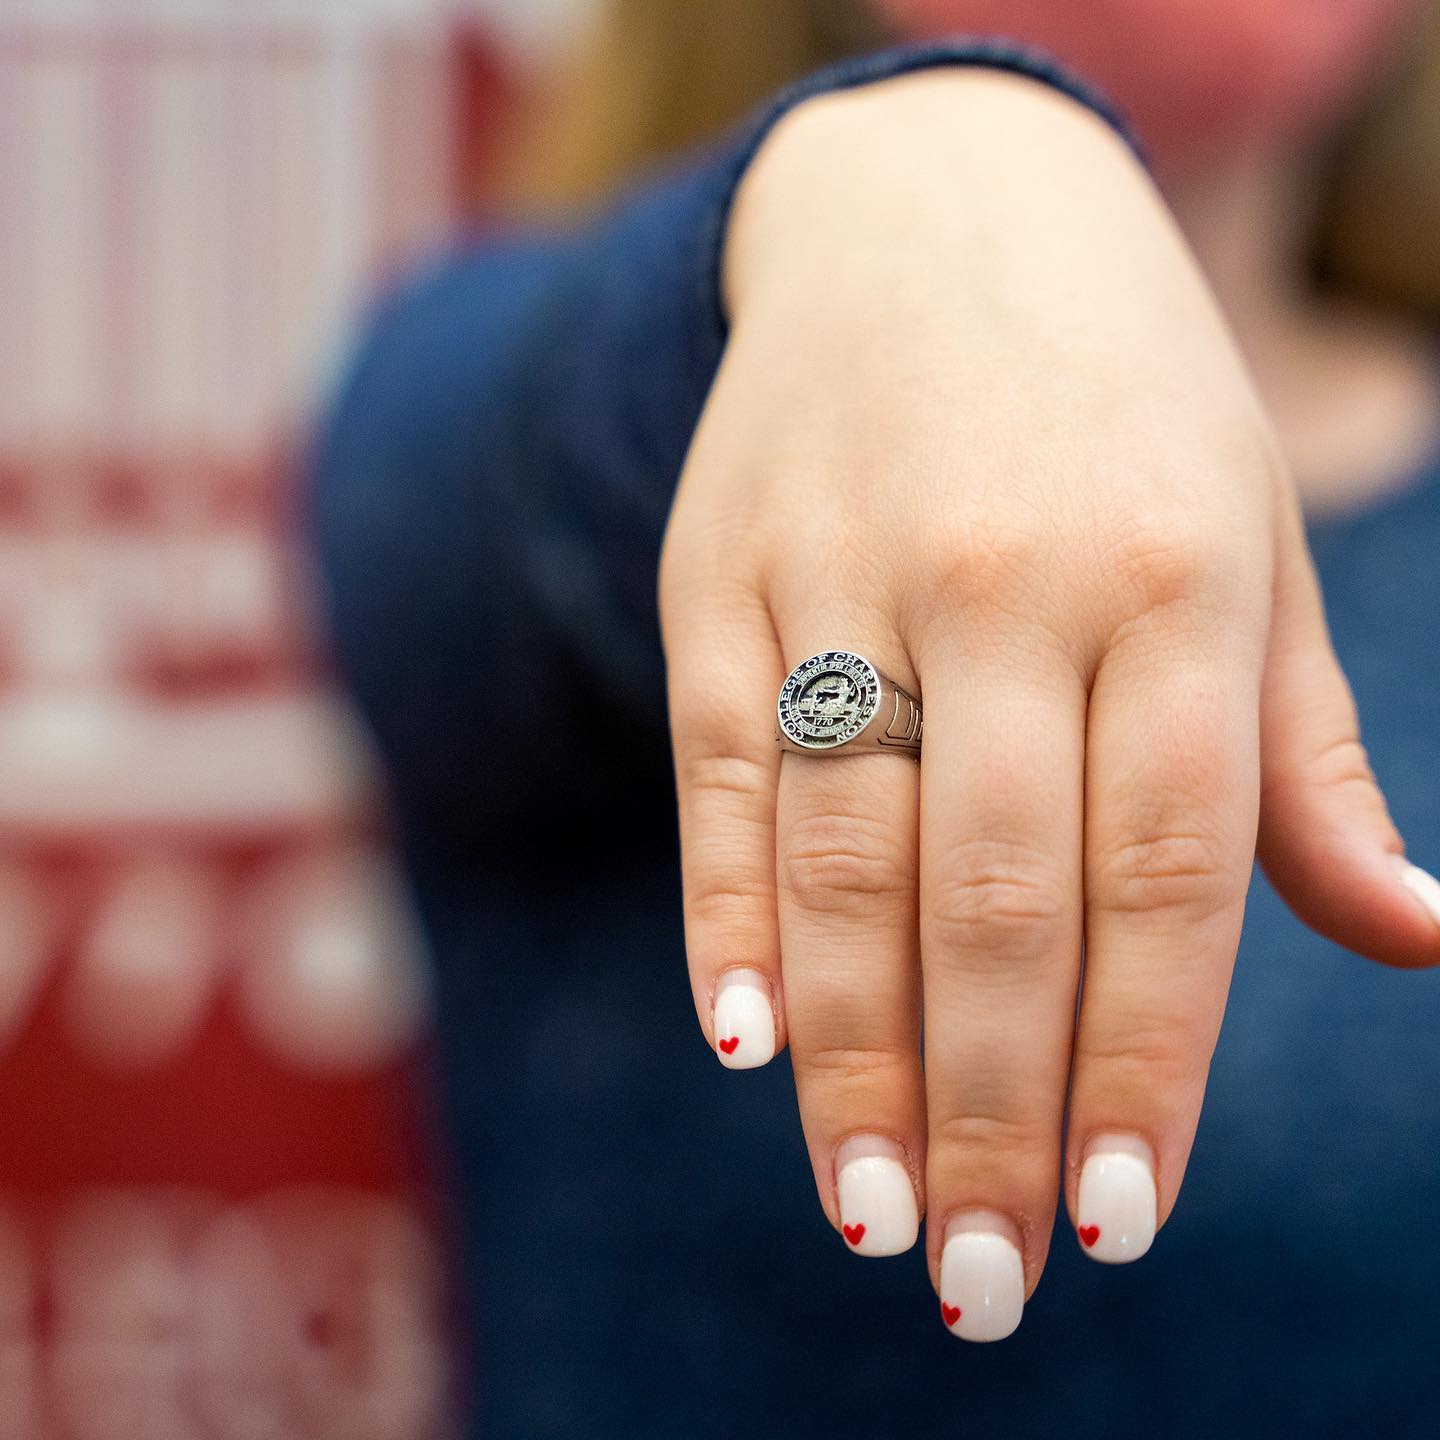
(724, 672)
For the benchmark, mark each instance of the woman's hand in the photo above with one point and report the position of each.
(980, 421)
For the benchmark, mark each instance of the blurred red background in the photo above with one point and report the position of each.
(220, 1192)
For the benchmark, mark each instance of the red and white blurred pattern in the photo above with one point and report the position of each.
(217, 1212)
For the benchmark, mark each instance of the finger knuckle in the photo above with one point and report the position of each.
(993, 898)
(727, 822)
(1184, 871)
(1163, 561)
(1340, 768)
(984, 565)
(855, 1066)
(1341, 764)
(723, 775)
(729, 899)
(1157, 1053)
(838, 863)
(1005, 1134)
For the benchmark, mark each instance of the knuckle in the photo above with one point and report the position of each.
(994, 897)
(1154, 1054)
(1341, 764)
(850, 1067)
(724, 775)
(1163, 561)
(844, 863)
(1341, 769)
(1000, 1134)
(1167, 871)
(727, 811)
(985, 564)
(729, 899)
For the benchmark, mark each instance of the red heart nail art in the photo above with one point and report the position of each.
(853, 1233)
(949, 1313)
(728, 1046)
(1089, 1234)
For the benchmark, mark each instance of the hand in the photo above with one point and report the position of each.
(980, 421)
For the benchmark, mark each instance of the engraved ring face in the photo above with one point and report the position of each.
(828, 699)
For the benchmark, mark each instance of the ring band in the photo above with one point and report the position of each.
(838, 700)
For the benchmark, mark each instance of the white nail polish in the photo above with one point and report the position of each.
(1423, 886)
(878, 1213)
(1116, 1220)
(982, 1280)
(744, 1020)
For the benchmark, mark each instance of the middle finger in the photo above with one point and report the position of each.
(1001, 923)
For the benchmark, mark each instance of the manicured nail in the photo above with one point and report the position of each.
(982, 1277)
(1117, 1199)
(744, 1020)
(1423, 886)
(878, 1213)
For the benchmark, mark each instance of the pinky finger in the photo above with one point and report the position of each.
(1326, 838)
(726, 770)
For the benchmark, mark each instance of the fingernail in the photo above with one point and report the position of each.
(982, 1277)
(1117, 1199)
(878, 1213)
(744, 1020)
(1422, 885)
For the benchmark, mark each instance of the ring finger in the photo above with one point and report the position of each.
(847, 853)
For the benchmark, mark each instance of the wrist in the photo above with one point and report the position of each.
(855, 184)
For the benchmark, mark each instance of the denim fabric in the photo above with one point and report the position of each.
(644, 1252)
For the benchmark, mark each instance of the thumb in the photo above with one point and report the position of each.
(1326, 838)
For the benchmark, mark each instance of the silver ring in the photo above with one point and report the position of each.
(838, 700)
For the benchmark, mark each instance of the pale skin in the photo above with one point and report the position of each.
(981, 420)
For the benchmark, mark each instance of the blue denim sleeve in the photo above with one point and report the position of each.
(492, 484)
